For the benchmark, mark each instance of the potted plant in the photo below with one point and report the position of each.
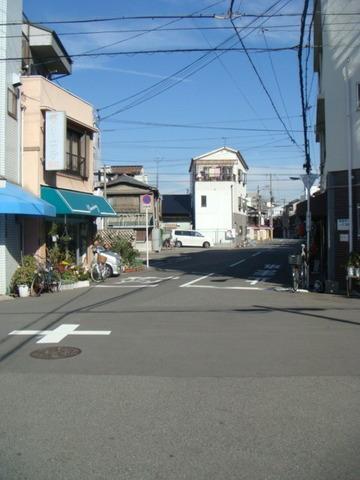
(353, 265)
(53, 232)
(23, 277)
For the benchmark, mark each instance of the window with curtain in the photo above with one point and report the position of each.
(76, 152)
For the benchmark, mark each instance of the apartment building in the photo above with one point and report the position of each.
(218, 191)
(337, 64)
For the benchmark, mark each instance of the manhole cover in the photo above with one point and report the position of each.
(54, 353)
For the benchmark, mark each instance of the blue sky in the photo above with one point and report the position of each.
(223, 98)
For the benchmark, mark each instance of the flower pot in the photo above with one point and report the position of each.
(350, 271)
(24, 291)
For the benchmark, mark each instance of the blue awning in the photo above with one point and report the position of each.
(69, 202)
(17, 201)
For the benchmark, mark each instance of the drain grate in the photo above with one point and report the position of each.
(55, 353)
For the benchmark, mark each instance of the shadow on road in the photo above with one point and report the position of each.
(307, 312)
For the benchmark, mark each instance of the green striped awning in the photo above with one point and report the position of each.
(69, 202)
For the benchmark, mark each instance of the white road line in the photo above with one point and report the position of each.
(238, 263)
(61, 332)
(115, 285)
(256, 254)
(227, 288)
(196, 280)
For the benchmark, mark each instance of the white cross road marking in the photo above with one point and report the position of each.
(143, 280)
(226, 288)
(196, 280)
(272, 267)
(61, 332)
(263, 275)
(138, 285)
(237, 263)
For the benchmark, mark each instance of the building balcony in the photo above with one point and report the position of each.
(130, 220)
(215, 178)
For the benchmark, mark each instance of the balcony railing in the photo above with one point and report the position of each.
(200, 177)
(130, 220)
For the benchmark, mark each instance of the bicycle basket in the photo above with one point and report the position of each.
(101, 258)
(295, 260)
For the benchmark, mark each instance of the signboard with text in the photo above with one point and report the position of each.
(55, 140)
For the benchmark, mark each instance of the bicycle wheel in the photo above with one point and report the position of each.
(295, 275)
(96, 273)
(37, 284)
(54, 281)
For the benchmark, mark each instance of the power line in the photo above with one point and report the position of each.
(159, 27)
(261, 82)
(152, 52)
(229, 73)
(214, 16)
(203, 127)
(276, 80)
(307, 164)
(165, 83)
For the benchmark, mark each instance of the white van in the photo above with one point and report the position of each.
(190, 238)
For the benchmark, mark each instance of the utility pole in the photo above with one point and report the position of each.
(157, 161)
(258, 206)
(105, 193)
(271, 210)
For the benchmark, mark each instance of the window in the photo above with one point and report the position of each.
(358, 95)
(76, 152)
(358, 220)
(240, 204)
(203, 200)
(12, 103)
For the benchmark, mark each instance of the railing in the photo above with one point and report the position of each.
(217, 178)
(129, 220)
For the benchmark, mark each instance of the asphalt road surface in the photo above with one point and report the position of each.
(204, 367)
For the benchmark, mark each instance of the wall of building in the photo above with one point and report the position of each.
(40, 94)
(217, 215)
(340, 48)
(10, 46)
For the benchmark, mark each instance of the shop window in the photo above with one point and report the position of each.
(12, 103)
(76, 152)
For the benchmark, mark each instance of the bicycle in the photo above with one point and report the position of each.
(46, 278)
(98, 269)
(299, 267)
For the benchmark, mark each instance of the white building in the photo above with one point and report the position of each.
(10, 154)
(218, 192)
(337, 63)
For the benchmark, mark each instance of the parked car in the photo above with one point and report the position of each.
(113, 261)
(190, 238)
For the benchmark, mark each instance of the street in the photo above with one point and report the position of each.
(205, 367)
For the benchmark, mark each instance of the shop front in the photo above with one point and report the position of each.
(73, 230)
(17, 209)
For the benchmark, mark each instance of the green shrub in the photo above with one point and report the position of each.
(24, 274)
(68, 276)
(128, 253)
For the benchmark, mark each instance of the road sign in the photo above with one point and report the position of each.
(309, 180)
(61, 332)
(146, 200)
